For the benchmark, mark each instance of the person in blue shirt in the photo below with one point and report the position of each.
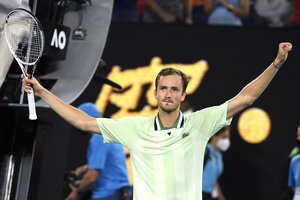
(294, 176)
(294, 171)
(213, 164)
(228, 12)
(106, 172)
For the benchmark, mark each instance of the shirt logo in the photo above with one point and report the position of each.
(185, 135)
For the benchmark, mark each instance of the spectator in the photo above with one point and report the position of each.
(106, 171)
(213, 164)
(273, 13)
(228, 12)
(166, 11)
(293, 178)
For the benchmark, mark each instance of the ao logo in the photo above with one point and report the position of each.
(59, 40)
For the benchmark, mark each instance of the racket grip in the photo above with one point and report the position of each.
(31, 105)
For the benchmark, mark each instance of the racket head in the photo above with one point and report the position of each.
(24, 36)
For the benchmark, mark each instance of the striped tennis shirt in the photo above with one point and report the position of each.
(167, 164)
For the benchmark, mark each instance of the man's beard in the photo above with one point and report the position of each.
(168, 109)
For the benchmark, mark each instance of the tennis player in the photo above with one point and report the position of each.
(166, 149)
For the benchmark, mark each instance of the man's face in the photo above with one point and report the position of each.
(169, 93)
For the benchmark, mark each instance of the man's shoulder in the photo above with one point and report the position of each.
(139, 119)
(136, 119)
(137, 122)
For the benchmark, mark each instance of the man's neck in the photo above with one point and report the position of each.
(168, 119)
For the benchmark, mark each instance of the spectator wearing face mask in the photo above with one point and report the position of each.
(213, 164)
(292, 191)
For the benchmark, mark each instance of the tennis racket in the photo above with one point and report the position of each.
(25, 39)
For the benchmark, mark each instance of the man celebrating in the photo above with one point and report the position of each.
(165, 149)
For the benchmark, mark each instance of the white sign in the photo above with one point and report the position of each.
(59, 40)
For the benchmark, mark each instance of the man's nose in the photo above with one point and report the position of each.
(168, 93)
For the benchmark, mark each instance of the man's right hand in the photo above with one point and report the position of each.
(28, 83)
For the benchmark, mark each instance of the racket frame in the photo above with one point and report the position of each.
(21, 63)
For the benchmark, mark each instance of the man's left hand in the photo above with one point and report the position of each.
(283, 51)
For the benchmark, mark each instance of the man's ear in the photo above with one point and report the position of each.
(155, 94)
(183, 96)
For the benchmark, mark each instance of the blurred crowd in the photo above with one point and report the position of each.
(270, 13)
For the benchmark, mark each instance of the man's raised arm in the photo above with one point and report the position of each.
(71, 114)
(254, 89)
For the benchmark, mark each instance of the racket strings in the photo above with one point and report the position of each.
(24, 37)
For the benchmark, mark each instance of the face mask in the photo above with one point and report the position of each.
(223, 144)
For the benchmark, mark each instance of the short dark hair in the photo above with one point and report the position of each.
(171, 71)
